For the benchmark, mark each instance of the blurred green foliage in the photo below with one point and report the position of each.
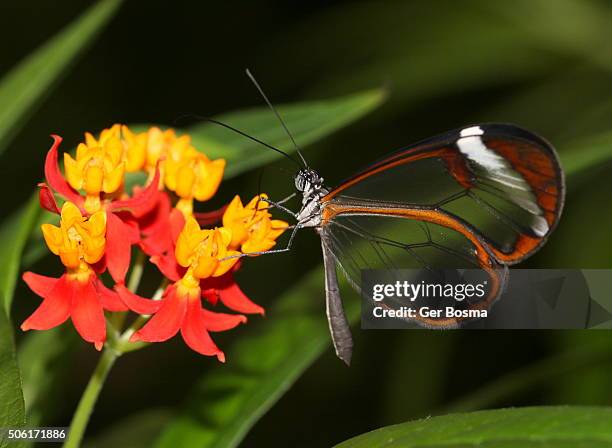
(543, 64)
(525, 428)
(12, 409)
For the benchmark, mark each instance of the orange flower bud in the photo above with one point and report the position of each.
(253, 230)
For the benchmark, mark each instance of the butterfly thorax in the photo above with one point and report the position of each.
(310, 184)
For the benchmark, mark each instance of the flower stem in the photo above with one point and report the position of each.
(133, 282)
(115, 346)
(89, 398)
(136, 273)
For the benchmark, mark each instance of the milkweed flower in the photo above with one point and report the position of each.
(193, 177)
(185, 171)
(79, 294)
(252, 228)
(100, 223)
(161, 144)
(199, 254)
(121, 214)
(98, 168)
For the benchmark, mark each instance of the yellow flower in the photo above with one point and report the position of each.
(78, 241)
(161, 144)
(193, 176)
(202, 250)
(99, 167)
(253, 230)
(133, 146)
(134, 149)
(185, 171)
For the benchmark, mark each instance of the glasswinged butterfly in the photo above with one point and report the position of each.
(484, 196)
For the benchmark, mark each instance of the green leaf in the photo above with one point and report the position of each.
(42, 357)
(14, 235)
(559, 427)
(581, 155)
(24, 87)
(12, 408)
(262, 365)
(308, 122)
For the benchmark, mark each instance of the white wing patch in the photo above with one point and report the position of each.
(500, 171)
(473, 130)
(540, 226)
(474, 148)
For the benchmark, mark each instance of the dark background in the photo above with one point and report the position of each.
(544, 65)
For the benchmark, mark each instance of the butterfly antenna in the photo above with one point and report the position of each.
(269, 103)
(259, 179)
(250, 137)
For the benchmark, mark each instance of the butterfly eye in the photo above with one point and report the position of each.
(300, 182)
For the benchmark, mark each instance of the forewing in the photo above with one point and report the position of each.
(502, 182)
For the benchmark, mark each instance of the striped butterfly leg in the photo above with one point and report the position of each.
(338, 324)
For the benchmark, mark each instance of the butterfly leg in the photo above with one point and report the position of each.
(281, 207)
(282, 201)
(271, 251)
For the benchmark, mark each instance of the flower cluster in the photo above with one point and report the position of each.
(101, 223)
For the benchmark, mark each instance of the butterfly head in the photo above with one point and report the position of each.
(308, 181)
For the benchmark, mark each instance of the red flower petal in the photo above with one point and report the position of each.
(156, 244)
(100, 266)
(166, 322)
(156, 228)
(209, 219)
(210, 295)
(87, 313)
(232, 296)
(130, 226)
(221, 321)
(55, 308)
(46, 199)
(195, 334)
(142, 202)
(177, 222)
(54, 177)
(168, 266)
(40, 284)
(136, 303)
(156, 217)
(118, 246)
(110, 299)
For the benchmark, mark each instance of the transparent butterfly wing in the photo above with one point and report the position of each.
(501, 181)
(365, 242)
